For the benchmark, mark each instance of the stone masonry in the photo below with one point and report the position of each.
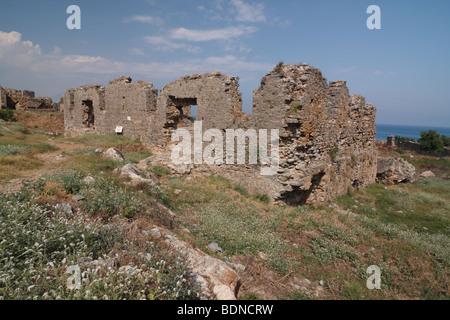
(25, 100)
(327, 137)
(94, 108)
(3, 101)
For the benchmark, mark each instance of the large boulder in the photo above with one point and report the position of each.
(113, 154)
(217, 279)
(428, 174)
(136, 177)
(394, 171)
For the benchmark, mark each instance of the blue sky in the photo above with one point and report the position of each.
(403, 69)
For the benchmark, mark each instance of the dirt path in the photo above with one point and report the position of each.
(53, 161)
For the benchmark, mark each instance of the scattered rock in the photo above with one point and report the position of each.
(64, 208)
(318, 292)
(113, 154)
(156, 233)
(217, 279)
(394, 171)
(78, 198)
(428, 174)
(89, 180)
(136, 176)
(98, 151)
(129, 270)
(262, 256)
(98, 264)
(321, 283)
(239, 267)
(214, 247)
(177, 192)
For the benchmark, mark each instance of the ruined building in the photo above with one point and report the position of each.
(25, 100)
(327, 137)
(125, 105)
(11, 98)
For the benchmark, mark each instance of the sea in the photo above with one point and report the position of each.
(385, 130)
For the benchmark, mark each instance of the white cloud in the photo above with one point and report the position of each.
(249, 12)
(163, 44)
(50, 73)
(157, 21)
(12, 46)
(208, 35)
(137, 51)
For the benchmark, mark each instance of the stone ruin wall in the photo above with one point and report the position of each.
(217, 97)
(327, 137)
(3, 99)
(25, 100)
(96, 109)
(85, 110)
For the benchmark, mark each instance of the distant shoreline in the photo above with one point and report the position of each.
(385, 130)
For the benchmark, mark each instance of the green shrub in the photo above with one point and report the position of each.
(264, 198)
(241, 190)
(334, 152)
(445, 140)
(399, 139)
(159, 171)
(106, 198)
(7, 115)
(37, 246)
(431, 141)
(7, 150)
(279, 67)
(71, 181)
(135, 157)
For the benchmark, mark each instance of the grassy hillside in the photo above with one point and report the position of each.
(280, 252)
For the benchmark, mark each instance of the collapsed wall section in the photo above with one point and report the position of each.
(327, 138)
(3, 102)
(215, 97)
(85, 110)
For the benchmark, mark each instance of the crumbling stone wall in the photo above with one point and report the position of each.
(95, 108)
(3, 102)
(85, 110)
(217, 97)
(25, 100)
(327, 137)
(131, 106)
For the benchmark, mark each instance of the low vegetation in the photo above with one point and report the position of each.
(402, 229)
(432, 141)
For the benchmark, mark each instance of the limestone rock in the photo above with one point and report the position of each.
(89, 180)
(394, 171)
(156, 233)
(78, 198)
(136, 176)
(214, 247)
(218, 280)
(113, 154)
(428, 174)
(64, 208)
